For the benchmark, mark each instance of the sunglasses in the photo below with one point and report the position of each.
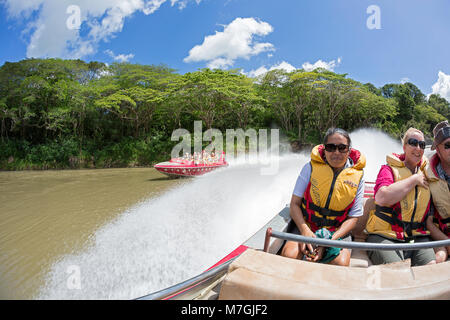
(414, 142)
(331, 147)
(447, 145)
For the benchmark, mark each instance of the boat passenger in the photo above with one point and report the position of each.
(328, 199)
(438, 174)
(402, 203)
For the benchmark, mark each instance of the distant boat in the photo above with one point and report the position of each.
(179, 167)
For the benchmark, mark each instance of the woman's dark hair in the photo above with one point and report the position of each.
(342, 132)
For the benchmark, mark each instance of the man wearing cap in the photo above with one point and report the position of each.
(438, 174)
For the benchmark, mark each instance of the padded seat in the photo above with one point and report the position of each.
(256, 275)
(359, 258)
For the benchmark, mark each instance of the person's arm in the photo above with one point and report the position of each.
(348, 225)
(435, 232)
(389, 195)
(345, 229)
(297, 215)
(297, 196)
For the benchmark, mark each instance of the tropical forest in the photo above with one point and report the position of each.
(70, 114)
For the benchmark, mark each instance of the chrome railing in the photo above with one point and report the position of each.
(354, 245)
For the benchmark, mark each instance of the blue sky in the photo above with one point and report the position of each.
(254, 35)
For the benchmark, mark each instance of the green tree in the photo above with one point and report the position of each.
(273, 88)
(334, 93)
(207, 92)
(133, 92)
(440, 104)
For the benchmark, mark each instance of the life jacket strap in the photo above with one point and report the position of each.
(389, 215)
(443, 225)
(323, 211)
(320, 222)
(444, 221)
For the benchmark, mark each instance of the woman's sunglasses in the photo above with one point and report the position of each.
(414, 142)
(331, 147)
(447, 145)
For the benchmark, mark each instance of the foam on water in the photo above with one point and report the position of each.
(375, 145)
(163, 241)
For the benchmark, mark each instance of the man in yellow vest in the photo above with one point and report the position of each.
(402, 202)
(438, 174)
(327, 199)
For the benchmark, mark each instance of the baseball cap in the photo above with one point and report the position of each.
(440, 132)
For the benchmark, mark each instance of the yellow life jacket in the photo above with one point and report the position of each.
(405, 220)
(329, 196)
(440, 194)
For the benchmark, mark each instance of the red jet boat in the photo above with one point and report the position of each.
(179, 167)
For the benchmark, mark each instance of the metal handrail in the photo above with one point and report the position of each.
(353, 245)
(177, 288)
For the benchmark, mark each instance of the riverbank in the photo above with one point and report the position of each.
(17, 155)
(67, 155)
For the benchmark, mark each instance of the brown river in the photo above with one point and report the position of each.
(124, 233)
(48, 214)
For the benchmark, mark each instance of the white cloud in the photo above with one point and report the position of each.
(404, 80)
(119, 57)
(101, 20)
(442, 85)
(220, 63)
(322, 64)
(258, 72)
(262, 70)
(235, 41)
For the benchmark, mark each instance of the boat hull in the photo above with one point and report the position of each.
(174, 169)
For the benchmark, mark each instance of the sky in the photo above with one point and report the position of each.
(390, 41)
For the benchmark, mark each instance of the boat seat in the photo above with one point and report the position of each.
(359, 258)
(257, 275)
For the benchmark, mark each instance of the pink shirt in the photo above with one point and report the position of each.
(385, 178)
(386, 175)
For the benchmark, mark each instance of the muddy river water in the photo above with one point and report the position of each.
(48, 214)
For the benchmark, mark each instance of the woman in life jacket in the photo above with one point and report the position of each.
(438, 174)
(402, 203)
(327, 199)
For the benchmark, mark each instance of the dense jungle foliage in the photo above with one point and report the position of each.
(57, 114)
